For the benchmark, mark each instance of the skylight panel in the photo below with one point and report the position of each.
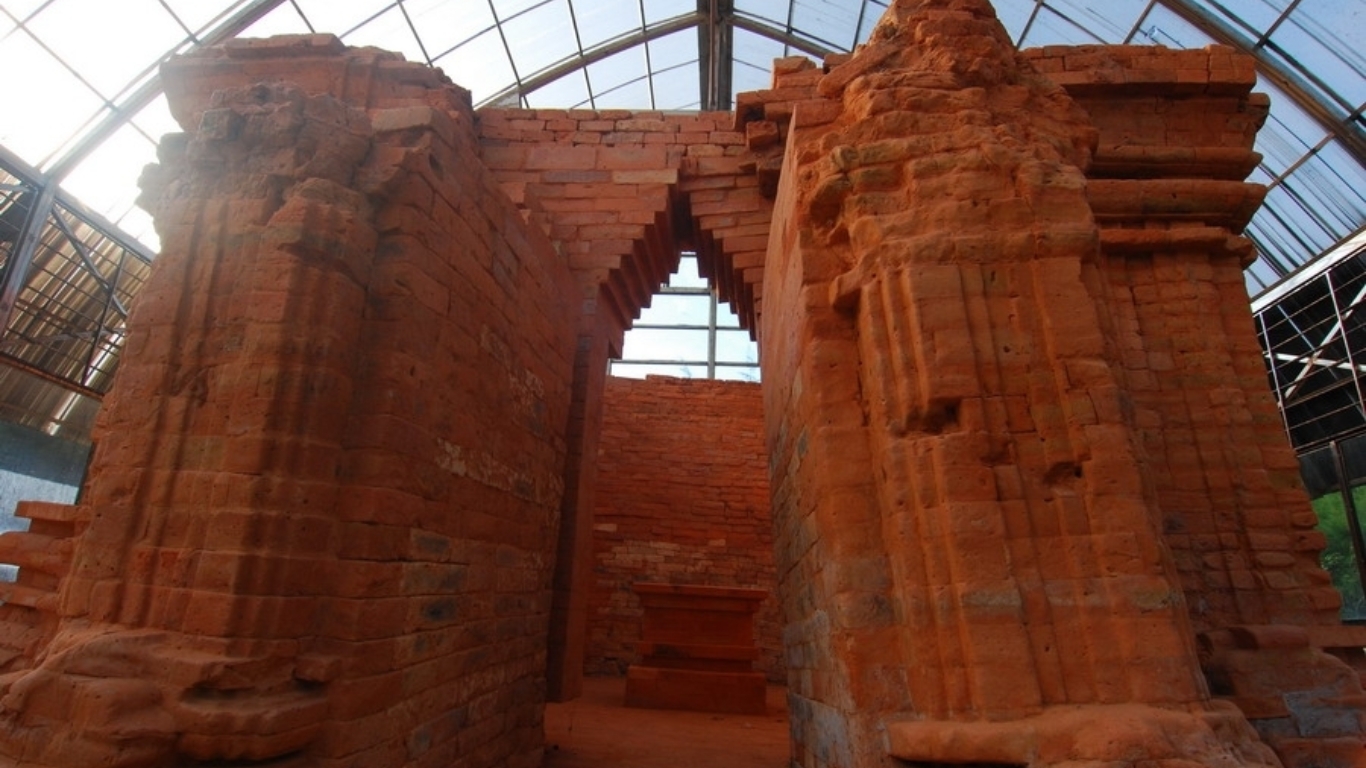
(541, 37)
(634, 94)
(617, 70)
(678, 88)
(1013, 15)
(1253, 16)
(1328, 48)
(481, 65)
(66, 103)
(1110, 20)
(673, 49)
(1288, 133)
(284, 20)
(443, 25)
(79, 32)
(602, 20)
(663, 10)
(1051, 28)
(1162, 27)
(775, 12)
(197, 14)
(506, 9)
(338, 16)
(391, 32)
(567, 92)
(120, 157)
(836, 23)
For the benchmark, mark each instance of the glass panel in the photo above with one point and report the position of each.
(481, 66)
(631, 370)
(1052, 29)
(1110, 22)
(725, 316)
(686, 276)
(1289, 131)
(660, 344)
(737, 373)
(544, 36)
(138, 224)
(88, 35)
(1333, 188)
(1253, 16)
(673, 49)
(756, 51)
(339, 16)
(632, 95)
(66, 103)
(444, 25)
(568, 92)
(1014, 14)
(22, 8)
(506, 9)
(836, 24)
(155, 119)
(662, 10)
(601, 20)
(196, 14)
(617, 70)
(1258, 278)
(736, 347)
(1290, 202)
(1163, 27)
(1326, 40)
(284, 20)
(678, 88)
(872, 14)
(667, 309)
(773, 12)
(389, 31)
(106, 180)
(750, 77)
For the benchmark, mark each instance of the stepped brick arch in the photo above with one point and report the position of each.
(620, 194)
(1031, 504)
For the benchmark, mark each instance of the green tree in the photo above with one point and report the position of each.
(1339, 558)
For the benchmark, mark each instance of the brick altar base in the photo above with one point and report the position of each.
(697, 650)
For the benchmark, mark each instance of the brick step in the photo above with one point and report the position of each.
(49, 554)
(50, 511)
(28, 597)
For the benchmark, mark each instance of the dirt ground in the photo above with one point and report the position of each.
(597, 731)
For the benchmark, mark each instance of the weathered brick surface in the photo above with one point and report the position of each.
(321, 509)
(936, 309)
(682, 499)
(1026, 477)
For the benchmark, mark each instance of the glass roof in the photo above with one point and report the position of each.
(83, 104)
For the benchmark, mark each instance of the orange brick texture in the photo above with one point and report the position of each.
(943, 307)
(682, 498)
(318, 518)
(1030, 501)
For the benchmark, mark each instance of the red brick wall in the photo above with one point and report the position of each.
(683, 499)
(319, 522)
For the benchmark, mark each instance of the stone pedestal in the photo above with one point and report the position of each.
(697, 650)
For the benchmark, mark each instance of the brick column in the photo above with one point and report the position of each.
(981, 516)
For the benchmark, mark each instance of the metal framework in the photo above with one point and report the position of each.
(66, 281)
(714, 363)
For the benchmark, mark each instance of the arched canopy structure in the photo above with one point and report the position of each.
(83, 105)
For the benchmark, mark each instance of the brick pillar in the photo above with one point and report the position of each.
(980, 516)
(597, 341)
(1167, 187)
(319, 523)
